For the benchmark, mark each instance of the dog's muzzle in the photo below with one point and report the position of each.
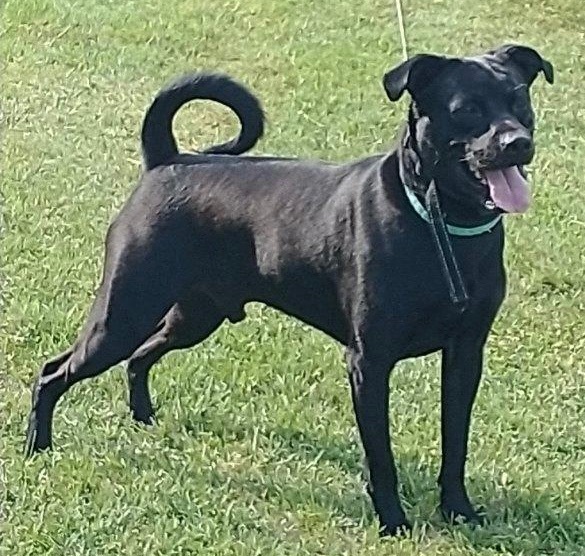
(515, 145)
(498, 157)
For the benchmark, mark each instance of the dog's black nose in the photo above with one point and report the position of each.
(516, 142)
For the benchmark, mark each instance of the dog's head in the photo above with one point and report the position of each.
(471, 124)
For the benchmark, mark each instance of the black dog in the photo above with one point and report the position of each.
(358, 250)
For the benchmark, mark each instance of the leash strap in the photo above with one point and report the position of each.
(457, 291)
(401, 29)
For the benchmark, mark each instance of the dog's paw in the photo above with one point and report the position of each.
(145, 418)
(462, 513)
(398, 528)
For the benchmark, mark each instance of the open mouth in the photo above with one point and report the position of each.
(508, 188)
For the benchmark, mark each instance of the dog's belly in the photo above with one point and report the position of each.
(322, 320)
(311, 298)
(307, 296)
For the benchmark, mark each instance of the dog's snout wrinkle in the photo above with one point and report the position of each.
(518, 141)
(506, 143)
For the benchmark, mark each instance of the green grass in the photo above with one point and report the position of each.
(256, 450)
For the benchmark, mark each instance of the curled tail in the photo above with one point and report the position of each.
(159, 145)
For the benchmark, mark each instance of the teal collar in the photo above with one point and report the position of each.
(452, 230)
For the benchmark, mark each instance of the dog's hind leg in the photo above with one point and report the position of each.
(140, 284)
(186, 324)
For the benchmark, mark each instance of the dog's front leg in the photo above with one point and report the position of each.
(369, 387)
(461, 372)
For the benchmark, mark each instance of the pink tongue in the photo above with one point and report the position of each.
(508, 189)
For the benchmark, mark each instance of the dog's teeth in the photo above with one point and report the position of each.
(489, 204)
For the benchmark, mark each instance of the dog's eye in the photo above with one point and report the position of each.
(520, 103)
(466, 112)
(520, 100)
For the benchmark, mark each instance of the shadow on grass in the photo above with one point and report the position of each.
(517, 522)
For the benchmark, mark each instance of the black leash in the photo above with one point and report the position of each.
(457, 291)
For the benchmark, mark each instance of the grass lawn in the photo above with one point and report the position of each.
(256, 449)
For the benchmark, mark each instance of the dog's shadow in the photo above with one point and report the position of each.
(517, 522)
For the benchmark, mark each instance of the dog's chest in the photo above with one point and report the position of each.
(417, 298)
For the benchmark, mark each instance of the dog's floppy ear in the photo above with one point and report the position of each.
(527, 60)
(413, 75)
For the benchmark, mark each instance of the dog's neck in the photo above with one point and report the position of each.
(418, 163)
